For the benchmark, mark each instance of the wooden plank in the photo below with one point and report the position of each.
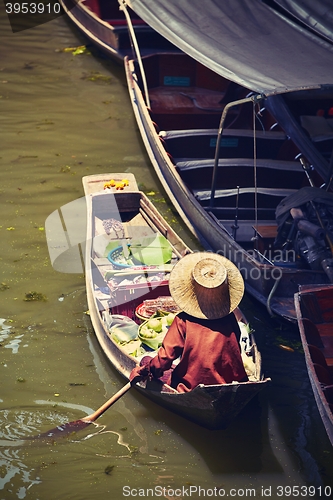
(180, 100)
(266, 230)
(206, 163)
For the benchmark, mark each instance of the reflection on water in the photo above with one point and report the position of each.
(60, 124)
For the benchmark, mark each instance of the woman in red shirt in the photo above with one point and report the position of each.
(205, 335)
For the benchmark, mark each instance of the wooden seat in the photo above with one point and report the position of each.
(266, 234)
(270, 193)
(187, 164)
(201, 142)
(266, 230)
(176, 96)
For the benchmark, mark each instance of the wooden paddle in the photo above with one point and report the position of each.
(77, 425)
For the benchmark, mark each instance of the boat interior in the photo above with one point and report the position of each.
(317, 322)
(120, 288)
(121, 215)
(132, 219)
(257, 164)
(131, 290)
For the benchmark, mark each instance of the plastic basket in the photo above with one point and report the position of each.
(114, 256)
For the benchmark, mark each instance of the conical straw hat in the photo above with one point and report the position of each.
(206, 285)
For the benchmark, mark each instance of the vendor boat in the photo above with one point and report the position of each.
(315, 321)
(130, 252)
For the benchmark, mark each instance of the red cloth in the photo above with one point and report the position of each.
(209, 349)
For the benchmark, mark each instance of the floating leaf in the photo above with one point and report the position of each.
(95, 76)
(35, 296)
(68, 49)
(108, 470)
(81, 49)
(65, 169)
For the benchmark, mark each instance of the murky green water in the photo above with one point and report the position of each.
(63, 117)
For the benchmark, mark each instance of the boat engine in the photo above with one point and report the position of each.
(305, 224)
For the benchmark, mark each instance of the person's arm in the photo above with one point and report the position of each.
(171, 349)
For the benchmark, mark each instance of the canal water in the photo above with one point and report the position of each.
(64, 116)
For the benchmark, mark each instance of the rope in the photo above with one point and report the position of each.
(255, 172)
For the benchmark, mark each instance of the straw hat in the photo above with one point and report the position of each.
(206, 285)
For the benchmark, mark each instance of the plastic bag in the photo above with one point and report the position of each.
(123, 329)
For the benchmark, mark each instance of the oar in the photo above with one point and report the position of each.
(77, 425)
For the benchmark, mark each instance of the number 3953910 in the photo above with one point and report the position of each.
(33, 8)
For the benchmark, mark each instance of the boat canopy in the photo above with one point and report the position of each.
(255, 43)
(315, 14)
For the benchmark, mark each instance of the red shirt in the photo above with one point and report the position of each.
(209, 350)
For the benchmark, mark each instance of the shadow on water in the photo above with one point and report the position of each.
(292, 409)
(240, 448)
(243, 447)
(278, 434)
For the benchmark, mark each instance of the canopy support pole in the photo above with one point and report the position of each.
(253, 98)
(123, 7)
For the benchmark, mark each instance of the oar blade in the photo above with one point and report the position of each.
(63, 430)
(77, 425)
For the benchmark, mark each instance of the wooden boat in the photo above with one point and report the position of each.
(315, 322)
(114, 292)
(105, 25)
(229, 178)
